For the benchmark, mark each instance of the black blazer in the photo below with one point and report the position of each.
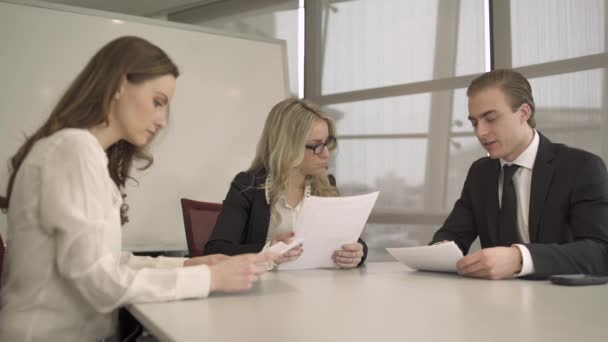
(242, 225)
(568, 219)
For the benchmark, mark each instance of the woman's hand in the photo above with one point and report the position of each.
(290, 255)
(349, 256)
(205, 260)
(238, 273)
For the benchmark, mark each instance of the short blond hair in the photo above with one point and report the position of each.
(515, 86)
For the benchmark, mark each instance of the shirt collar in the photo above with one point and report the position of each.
(268, 186)
(528, 156)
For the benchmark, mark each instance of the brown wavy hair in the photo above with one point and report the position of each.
(86, 103)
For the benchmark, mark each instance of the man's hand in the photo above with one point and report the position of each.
(491, 263)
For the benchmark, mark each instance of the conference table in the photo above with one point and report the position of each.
(384, 301)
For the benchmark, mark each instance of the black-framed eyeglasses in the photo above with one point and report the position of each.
(318, 148)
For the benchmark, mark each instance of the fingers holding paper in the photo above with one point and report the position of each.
(349, 256)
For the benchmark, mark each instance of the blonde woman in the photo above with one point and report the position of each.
(290, 164)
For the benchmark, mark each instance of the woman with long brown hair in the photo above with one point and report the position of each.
(64, 272)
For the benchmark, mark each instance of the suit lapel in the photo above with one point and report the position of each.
(491, 199)
(265, 217)
(542, 174)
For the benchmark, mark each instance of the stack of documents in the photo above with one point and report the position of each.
(440, 257)
(327, 223)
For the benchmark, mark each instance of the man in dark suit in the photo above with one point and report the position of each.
(539, 208)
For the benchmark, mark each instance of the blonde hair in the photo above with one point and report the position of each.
(281, 147)
(512, 83)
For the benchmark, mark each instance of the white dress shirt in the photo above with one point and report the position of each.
(64, 272)
(522, 180)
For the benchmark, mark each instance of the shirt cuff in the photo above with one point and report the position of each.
(193, 282)
(527, 265)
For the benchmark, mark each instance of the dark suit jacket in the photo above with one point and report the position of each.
(568, 219)
(242, 225)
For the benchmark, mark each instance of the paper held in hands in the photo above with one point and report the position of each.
(327, 223)
(440, 258)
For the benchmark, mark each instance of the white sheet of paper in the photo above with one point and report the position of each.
(325, 224)
(441, 257)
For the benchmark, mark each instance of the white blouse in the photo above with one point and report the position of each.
(288, 216)
(64, 273)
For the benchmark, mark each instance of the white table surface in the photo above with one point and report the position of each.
(385, 302)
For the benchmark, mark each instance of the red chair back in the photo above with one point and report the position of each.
(199, 219)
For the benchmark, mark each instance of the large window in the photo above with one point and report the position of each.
(375, 43)
(394, 74)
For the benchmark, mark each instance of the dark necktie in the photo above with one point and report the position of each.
(508, 231)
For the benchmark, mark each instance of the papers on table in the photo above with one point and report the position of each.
(325, 224)
(441, 257)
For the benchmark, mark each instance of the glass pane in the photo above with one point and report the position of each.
(396, 115)
(463, 152)
(580, 90)
(270, 23)
(395, 167)
(375, 43)
(460, 114)
(570, 109)
(549, 30)
(470, 55)
(587, 139)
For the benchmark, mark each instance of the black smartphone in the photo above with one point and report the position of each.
(578, 279)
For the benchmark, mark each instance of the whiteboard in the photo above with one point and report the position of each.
(226, 88)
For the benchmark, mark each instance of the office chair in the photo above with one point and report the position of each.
(199, 219)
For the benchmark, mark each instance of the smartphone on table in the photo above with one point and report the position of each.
(578, 279)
